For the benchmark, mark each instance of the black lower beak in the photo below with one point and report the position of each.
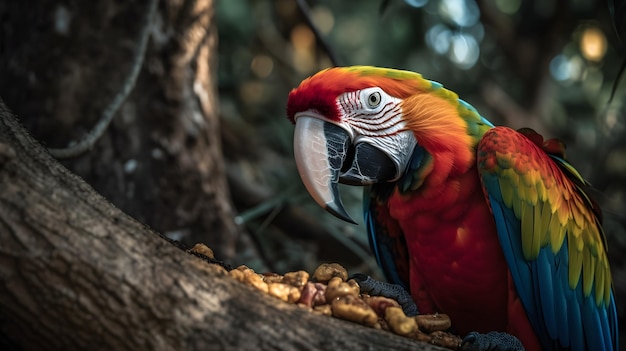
(370, 165)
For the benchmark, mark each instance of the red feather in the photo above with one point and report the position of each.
(319, 92)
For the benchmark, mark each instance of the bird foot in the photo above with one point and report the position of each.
(492, 341)
(375, 287)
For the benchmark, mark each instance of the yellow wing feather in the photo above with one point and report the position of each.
(552, 207)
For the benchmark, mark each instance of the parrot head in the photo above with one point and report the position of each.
(360, 125)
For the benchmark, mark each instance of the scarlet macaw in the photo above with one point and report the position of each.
(486, 224)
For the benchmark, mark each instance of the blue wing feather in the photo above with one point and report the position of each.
(543, 276)
(561, 288)
(563, 318)
(381, 245)
(509, 233)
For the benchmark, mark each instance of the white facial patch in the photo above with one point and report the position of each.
(371, 112)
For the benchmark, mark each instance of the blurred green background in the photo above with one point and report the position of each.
(549, 65)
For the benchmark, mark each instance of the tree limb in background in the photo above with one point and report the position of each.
(617, 79)
(306, 11)
(618, 15)
(109, 112)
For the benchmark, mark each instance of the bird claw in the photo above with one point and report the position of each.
(375, 287)
(492, 341)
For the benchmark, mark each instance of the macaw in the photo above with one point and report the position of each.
(489, 225)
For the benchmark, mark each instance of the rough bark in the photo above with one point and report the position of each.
(78, 273)
(161, 159)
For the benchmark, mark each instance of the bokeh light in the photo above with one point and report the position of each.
(438, 38)
(302, 38)
(262, 65)
(461, 48)
(464, 51)
(303, 42)
(463, 13)
(323, 19)
(593, 44)
(566, 69)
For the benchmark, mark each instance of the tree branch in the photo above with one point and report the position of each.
(77, 273)
(109, 112)
(306, 11)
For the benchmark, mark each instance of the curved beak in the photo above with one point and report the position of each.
(320, 150)
(327, 154)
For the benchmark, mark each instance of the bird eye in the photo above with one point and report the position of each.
(373, 100)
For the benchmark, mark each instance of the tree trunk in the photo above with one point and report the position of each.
(78, 273)
(161, 159)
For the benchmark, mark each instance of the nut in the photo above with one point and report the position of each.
(313, 294)
(350, 307)
(203, 250)
(380, 303)
(284, 292)
(433, 322)
(398, 322)
(326, 271)
(337, 288)
(272, 278)
(297, 279)
(248, 276)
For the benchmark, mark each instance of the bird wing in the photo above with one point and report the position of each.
(551, 235)
(386, 238)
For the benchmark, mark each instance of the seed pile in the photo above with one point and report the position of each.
(329, 292)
